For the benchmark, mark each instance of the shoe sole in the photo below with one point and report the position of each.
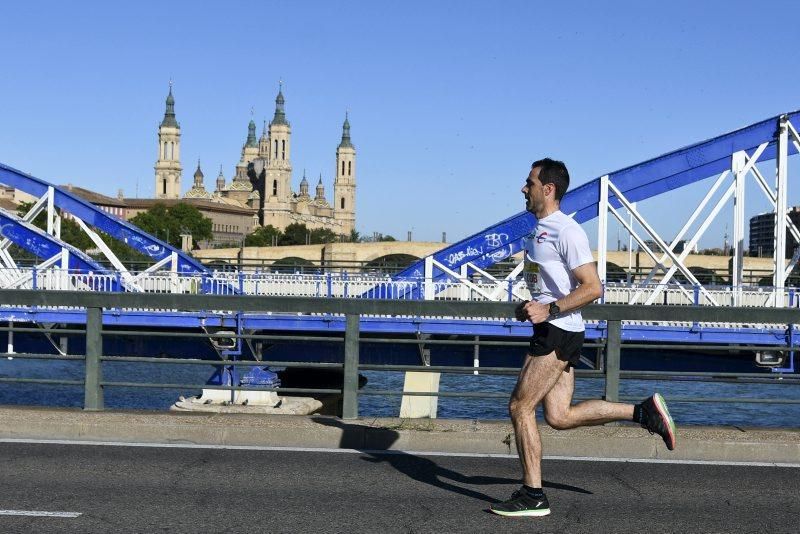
(661, 406)
(522, 513)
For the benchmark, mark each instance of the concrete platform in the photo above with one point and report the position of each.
(461, 436)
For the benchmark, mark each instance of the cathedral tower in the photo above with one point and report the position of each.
(277, 186)
(168, 167)
(344, 186)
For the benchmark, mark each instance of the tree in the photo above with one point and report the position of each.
(322, 235)
(355, 237)
(263, 237)
(168, 224)
(299, 234)
(294, 234)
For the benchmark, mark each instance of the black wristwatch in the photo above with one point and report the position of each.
(554, 309)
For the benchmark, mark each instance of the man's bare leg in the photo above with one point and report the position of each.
(538, 376)
(561, 414)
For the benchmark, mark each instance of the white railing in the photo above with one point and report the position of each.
(358, 286)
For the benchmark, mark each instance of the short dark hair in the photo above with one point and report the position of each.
(553, 172)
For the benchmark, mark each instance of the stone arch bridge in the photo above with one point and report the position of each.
(340, 254)
(358, 254)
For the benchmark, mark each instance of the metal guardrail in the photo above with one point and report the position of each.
(353, 309)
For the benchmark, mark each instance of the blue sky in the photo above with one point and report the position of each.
(449, 101)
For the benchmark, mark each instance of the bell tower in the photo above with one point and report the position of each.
(344, 185)
(278, 184)
(168, 167)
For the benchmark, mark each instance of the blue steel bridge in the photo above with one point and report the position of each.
(724, 164)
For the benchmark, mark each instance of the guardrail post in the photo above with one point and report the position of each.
(350, 385)
(93, 392)
(613, 344)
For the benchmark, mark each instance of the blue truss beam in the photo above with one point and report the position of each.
(94, 216)
(45, 246)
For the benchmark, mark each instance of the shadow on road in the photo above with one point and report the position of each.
(417, 467)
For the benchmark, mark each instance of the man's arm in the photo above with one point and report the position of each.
(588, 290)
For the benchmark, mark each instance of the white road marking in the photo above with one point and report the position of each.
(39, 513)
(392, 452)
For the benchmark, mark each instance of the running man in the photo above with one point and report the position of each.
(562, 277)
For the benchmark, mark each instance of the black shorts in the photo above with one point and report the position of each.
(549, 338)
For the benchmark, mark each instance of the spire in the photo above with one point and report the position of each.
(169, 114)
(264, 131)
(346, 133)
(304, 185)
(251, 134)
(220, 180)
(198, 175)
(280, 113)
(320, 189)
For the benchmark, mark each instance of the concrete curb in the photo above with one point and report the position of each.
(460, 436)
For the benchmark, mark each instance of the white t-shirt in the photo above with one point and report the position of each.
(557, 246)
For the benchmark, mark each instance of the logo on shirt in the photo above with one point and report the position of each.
(541, 238)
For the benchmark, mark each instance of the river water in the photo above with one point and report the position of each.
(705, 413)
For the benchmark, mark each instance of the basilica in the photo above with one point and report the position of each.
(237, 207)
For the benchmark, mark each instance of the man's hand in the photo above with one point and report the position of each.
(532, 311)
(520, 312)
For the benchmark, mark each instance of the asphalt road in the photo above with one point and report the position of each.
(140, 489)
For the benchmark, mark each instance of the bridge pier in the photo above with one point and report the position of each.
(420, 406)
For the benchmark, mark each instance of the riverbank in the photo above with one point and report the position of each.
(702, 443)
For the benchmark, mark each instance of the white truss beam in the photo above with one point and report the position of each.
(501, 285)
(27, 276)
(656, 237)
(689, 222)
(629, 227)
(50, 210)
(781, 206)
(795, 136)
(602, 230)
(153, 268)
(28, 217)
(700, 231)
(464, 280)
(770, 194)
(109, 254)
(511, 276)
(6, 259)
(738, 162)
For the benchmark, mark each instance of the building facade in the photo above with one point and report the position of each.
(761, 242)
(271, 200)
